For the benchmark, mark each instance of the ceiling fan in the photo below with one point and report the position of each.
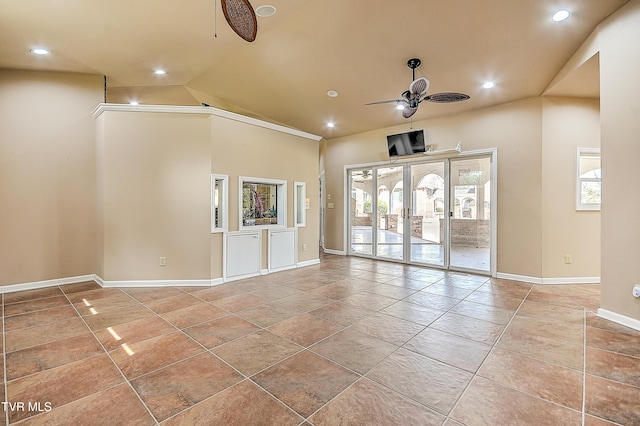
(418, 93)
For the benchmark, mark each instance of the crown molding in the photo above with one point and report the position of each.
(204, 110)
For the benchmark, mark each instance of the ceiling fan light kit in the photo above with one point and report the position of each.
(417, 93)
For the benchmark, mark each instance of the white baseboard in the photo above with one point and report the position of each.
(551, 280)
(284, 268)
(619, 318)
(572, 280)
(521, 278)
(47, 283)
(336, 252)
(157, 283)
(308, 263)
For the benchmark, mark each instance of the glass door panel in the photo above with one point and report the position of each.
(427, 213)
(361, 214)
(470, 207)
(389, 218)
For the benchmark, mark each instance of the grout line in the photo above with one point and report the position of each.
(127, 381)
(584, 365)
(4, 366)
(493, 346)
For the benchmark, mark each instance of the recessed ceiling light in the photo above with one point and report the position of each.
(134, 103)
(331, 124)
(561, 15)
(159, 72)
(265, 10)
(40, 51)
(488, 85)
(332, 93)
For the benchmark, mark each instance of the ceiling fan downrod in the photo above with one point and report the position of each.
(414, 63)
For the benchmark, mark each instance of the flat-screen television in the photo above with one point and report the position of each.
(408, 143)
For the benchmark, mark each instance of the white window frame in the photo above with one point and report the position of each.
(581, 153)
(281, 202)
(223, 203)
(300, 202)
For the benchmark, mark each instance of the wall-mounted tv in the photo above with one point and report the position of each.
(408, 143)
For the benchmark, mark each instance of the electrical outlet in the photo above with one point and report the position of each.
(304, 247)
(163, 261)
(636, 290)
(567, 259)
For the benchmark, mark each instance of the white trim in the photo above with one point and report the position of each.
(493, 152)
(158, 283)
(572, 280)
(447, 157)
(548, 281)
(223, 204)
(179, 109)
(260, 123)
(521, 278)
(46, 283)
(300, 204)
(99, 280)
(619, 318)
(36, 285)
(336, 252)
(306, 263)
(585, 152)
(281, 201)
(175, 109)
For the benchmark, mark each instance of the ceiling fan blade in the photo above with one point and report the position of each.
(408, 112)
(384, 102)
(446, 97)
(419, 86)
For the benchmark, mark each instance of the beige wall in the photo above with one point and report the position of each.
(568, 123)
(110, 196)
(536, 141)
(620, 111)
(155, 189)
(156, 175)
(239, 149)
(514, 129)
(47, 175)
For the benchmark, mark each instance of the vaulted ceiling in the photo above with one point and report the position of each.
(358, 48)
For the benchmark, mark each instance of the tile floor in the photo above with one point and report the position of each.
(350, 341)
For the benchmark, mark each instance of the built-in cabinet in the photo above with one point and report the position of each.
(242, 254)
(282, 249)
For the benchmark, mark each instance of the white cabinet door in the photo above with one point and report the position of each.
(282, 249)
(242, 254)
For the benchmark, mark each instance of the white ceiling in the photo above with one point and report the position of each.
(357, 47)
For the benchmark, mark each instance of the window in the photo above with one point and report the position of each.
(589, 179)
(219, 202)
(300, 203)
(262, 202)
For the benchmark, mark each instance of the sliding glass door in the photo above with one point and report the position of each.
(360, 214)
(433, 213)
(428, 197)
(470, 207)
